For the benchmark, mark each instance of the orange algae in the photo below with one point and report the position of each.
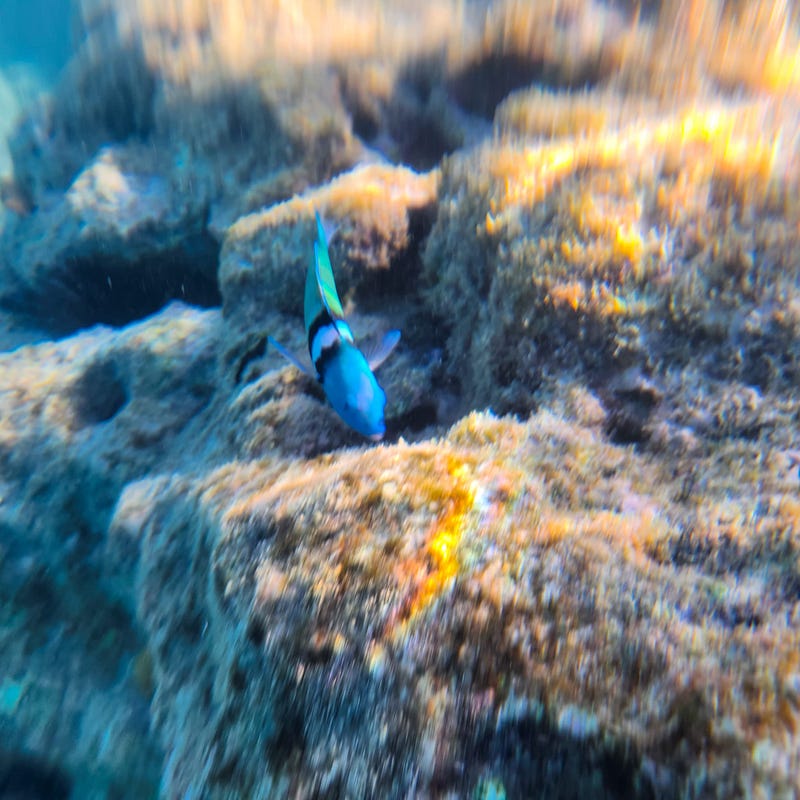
(571, 294)
(445, 535)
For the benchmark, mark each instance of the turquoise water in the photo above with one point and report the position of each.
(37, 34)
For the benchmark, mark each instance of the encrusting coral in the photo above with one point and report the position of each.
(593, 243)
(518, 576)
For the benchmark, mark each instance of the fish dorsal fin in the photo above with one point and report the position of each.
(324, 274)
(377, 354)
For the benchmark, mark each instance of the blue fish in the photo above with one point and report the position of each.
(345, 372)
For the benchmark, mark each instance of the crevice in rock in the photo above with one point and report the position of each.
(286, 742)
(415, 419)
(535, 759)
(99, 394)
(402, 279)
(252, 353)
(417, 125)
(482, 85)
(629, 400)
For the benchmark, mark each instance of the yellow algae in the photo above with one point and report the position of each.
(610, 304)
(756, 45)
(716, 139)
(492, 224)
(571, 294)
(781, 70)
(445, 534)
(442, 550)
(628, 243)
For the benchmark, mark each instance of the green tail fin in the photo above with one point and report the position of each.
(324, 274)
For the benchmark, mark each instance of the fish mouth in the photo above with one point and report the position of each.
(376, 437)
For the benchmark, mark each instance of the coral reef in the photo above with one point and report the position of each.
(573, 566)
(456, 600)
(634, 246)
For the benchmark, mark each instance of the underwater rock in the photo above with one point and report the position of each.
(125, 238)
(380, 214)
(644, 245)
(386, 65)
(133, 169)
(78, 419)
(136, 78)
(523, 601)
(81, 417)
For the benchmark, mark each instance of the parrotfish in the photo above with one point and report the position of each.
(345, 372)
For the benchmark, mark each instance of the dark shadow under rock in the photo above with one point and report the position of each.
(109, 290)
(28, 777)
(551, 763)
(482, 85)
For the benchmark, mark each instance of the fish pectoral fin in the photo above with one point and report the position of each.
(291, 357)
(377, 354)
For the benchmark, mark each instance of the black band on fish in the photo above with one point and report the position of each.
(327, 354)
(324, 338)
(320, 321)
